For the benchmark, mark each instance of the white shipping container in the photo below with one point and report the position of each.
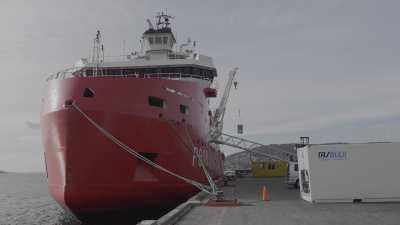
(367, 172)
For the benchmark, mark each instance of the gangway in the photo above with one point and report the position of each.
(269, 151)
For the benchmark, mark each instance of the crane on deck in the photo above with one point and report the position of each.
(218, 118)
(218, 137)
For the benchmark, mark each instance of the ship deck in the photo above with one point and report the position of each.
(286, 207)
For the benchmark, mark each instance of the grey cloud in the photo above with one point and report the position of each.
(323, 68)
(32, 125)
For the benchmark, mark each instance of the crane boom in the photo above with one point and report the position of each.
(220, 111)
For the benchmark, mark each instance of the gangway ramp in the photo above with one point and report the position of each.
(269, 151)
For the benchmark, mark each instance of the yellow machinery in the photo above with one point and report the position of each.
(276, 168)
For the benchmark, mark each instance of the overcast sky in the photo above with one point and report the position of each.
(325, 69)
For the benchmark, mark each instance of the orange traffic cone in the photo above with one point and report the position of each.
(265, 194)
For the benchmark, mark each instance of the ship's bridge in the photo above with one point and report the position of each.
(159, 57)
(159, 40)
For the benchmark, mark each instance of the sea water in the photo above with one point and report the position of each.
(24, 199)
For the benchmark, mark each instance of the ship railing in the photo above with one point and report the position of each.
(67, 73)
(79, 72)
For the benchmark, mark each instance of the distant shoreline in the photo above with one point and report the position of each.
(22, 173)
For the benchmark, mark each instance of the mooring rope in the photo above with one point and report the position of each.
(131, 151)
(213, 186)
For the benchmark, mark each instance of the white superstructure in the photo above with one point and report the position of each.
(159, 57)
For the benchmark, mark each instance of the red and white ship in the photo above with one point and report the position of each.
(156, 102)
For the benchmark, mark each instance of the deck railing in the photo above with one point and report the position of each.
(78, 72)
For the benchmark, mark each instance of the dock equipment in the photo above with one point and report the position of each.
(219, 113)
(218, 137)
(350, 172)
(276, 168)
(252, 147)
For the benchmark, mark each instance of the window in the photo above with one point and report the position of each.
(151, 40)
(157, 102)
(88, 93)
(296, 167)
(89, 73)
(178, 70)
(130, 71)
(186, 70)
(158, 40)
(196, 71)
(214, 73)
(271, 166)
(207, 73)
(139, 71)
(165, 40)
(184, 109)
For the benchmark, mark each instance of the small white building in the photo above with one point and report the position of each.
(367, 172)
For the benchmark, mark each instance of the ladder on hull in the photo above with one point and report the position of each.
(269, 151)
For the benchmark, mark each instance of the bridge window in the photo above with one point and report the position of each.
(157, 102)
(186, 70)
(165, 40)
(151, 40)
(179, 70)
(158, 40)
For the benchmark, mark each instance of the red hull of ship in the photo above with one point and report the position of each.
(88, 173)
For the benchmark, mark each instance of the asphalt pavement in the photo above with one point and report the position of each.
(286, 207)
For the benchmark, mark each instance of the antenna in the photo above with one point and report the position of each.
(141, 45)
(123, 48)
(163, 20)
(185, 44)
(150, 24)
(98, 50)
(193, 46)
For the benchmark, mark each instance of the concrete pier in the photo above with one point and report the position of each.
(285, 207)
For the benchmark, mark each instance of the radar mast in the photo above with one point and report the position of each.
(163, 20)
(159, 39)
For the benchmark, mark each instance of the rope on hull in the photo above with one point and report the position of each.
(210, 190)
